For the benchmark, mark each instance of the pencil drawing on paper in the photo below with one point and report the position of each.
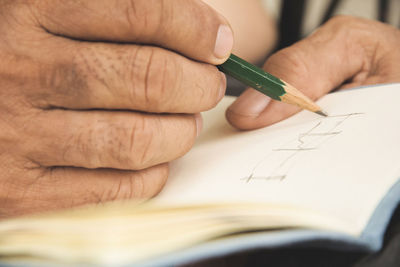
(276, 165)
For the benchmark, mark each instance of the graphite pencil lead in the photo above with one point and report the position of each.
(322, 113)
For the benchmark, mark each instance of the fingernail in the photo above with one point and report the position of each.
(199, 123)
(251, 103)
(222, 88)
(224, 42)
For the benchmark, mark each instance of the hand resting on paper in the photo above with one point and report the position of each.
(345, 52)
(98, 96)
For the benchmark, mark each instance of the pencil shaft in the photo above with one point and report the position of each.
(267, 84)
(254, 77)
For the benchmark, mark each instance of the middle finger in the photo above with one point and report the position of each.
(103, 139)
(114, 76)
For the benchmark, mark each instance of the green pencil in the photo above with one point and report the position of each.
(267, 84)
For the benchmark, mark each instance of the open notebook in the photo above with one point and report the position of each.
(332, 181)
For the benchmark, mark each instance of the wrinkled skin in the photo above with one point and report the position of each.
(98, 96)
(345, 52)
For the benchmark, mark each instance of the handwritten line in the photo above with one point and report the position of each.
(301, 136)
(331, 133)
(295, 149)
(322, 134)
(346, 115)
(267, 178)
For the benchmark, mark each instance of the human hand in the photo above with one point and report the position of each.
(98, 96)
(345, 52)
(257, 25)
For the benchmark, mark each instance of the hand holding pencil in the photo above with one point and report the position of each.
(267, 84)
(98, 96)
(345, 52)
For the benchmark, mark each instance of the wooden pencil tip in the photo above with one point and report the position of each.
(322, 113)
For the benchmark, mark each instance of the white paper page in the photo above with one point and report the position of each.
(340, 166)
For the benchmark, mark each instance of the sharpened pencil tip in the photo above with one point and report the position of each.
(322, 113)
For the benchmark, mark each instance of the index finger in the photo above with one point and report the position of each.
(316, 65)
(189, 27)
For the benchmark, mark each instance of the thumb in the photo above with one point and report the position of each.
(315, 66)
(189, 27)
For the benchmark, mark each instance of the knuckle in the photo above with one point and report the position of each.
(300, 68)
(136, 185)
(146, 18)
(83, 142)
(159, 17)
(141, 184)
(148, 183)
(121, 190)
(288, 57)
(166, 85)
(205, 93)
(185, 131)
(126, 144)
(132, 13)
(100, 145)
(159, 79)
(205, 98)
(212, 93)
(158, 183)
(140, 19)
(348, 25)
(141, 138)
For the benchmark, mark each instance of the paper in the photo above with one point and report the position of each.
(340, 166)
(307, 172)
